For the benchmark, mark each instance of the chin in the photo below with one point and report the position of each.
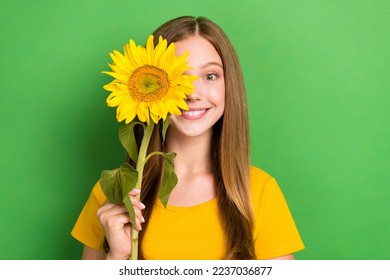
(194, 133)
(190, 131)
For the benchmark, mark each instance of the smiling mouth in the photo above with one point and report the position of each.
(194, 114)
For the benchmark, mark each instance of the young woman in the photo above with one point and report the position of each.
(222, 207)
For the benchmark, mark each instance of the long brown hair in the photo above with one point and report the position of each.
(230, 153)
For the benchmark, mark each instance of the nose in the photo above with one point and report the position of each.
(198, 91)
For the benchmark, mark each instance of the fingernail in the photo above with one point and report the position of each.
(142, 205)
(135, 191)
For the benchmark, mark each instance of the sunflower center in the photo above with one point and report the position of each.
(148, 83)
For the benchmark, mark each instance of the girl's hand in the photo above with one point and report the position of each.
(117, 225)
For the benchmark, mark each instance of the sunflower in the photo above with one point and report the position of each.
(149, 83)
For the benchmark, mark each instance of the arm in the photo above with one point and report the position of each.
(92, 254)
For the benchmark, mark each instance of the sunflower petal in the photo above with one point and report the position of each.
(149, 50)
(159, 50)
(114, 99)
(117, 75)
(154, 117)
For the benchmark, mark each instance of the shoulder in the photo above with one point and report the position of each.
(97, 194)
(263, 187)
(259, 179)
(258, 174)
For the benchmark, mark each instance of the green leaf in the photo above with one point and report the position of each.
(117, 183)
(111, 186)
(166, 123)
(127, 138)
(169, 179)
(129, 177)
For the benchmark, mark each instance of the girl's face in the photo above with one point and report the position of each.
(207, 103)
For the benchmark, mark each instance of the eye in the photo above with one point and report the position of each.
(211, 76)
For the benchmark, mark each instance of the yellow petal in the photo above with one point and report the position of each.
(126, 111)
(129, 117)
(114, 100)
(149, 50)
(154, 117)
(159, 50)
(142, 112)
(116, 75)
(120, 61)
(135, 55)
(182, 104)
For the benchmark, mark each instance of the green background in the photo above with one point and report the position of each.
(317, 75)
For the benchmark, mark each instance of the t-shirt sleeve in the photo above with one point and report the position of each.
(87, 228)
(276, 233)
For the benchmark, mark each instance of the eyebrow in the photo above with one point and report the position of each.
(210, 64)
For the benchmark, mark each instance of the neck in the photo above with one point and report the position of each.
(193, 153)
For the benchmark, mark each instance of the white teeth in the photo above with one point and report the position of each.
(193, 113)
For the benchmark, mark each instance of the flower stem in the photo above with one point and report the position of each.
(140, 169)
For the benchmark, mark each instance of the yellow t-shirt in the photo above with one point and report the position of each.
(196, 233)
